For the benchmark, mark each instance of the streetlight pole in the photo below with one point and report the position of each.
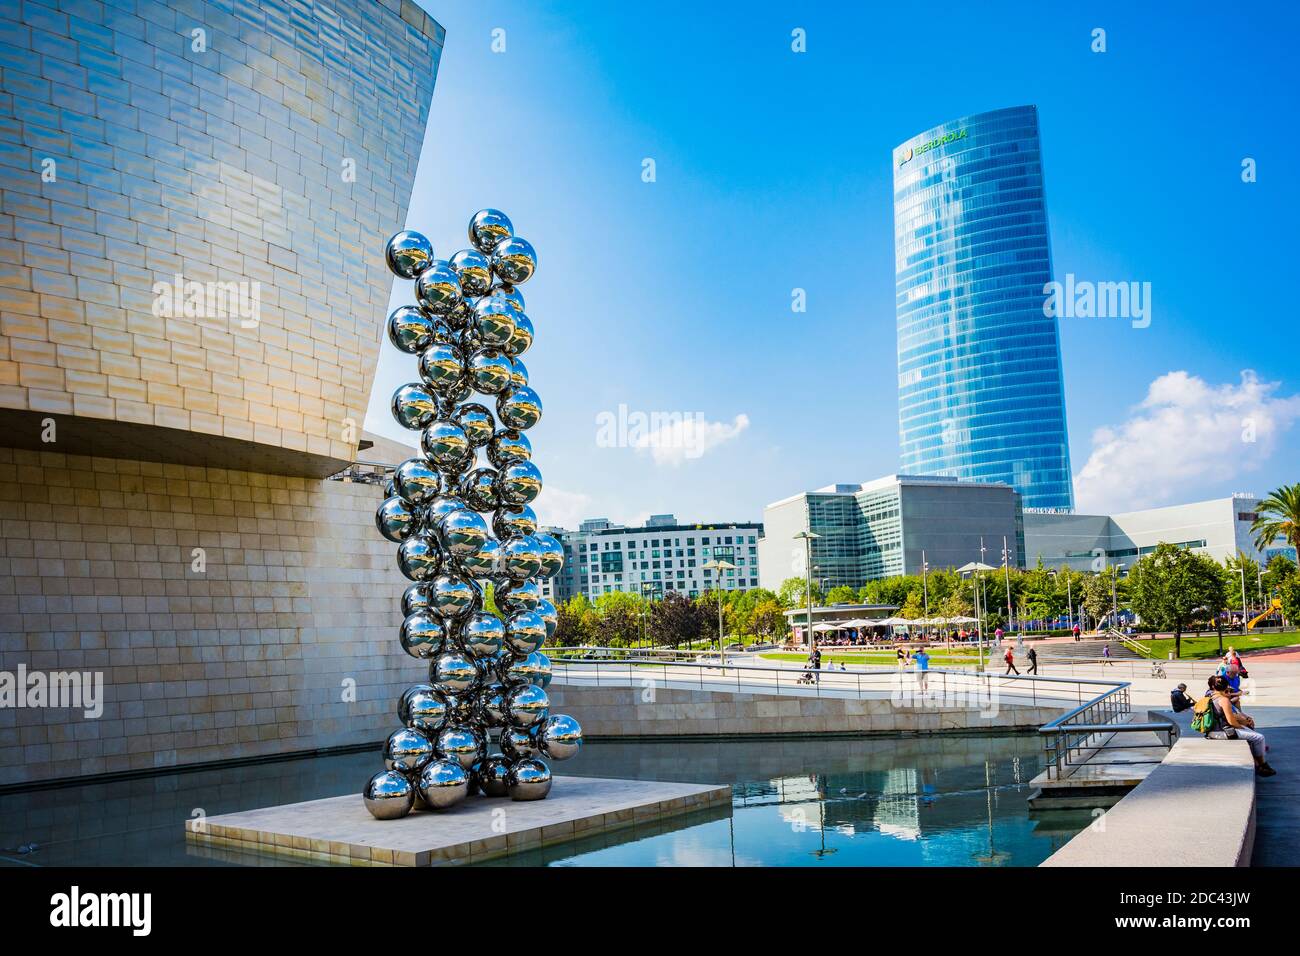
(808, 537)
(718, 566)
(925, 586)
(1241, 569)
(1006, 568)
(1114, 594)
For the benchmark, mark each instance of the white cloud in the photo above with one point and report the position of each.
(562, 509)
(1185, 434)
(687, 436)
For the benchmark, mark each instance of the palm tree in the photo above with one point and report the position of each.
(1278, 514)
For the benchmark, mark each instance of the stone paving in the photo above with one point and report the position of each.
(341, 830)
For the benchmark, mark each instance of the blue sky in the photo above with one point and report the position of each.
(773, 172)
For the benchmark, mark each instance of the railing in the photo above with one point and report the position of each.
(861, 682)
(1129, 667)
(1089, 728)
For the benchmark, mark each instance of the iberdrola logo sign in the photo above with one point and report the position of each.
(906, 155)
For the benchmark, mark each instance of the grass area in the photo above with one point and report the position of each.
(1207, 645)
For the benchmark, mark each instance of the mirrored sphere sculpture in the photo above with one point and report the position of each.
(462, 523)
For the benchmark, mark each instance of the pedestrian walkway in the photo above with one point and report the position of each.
(1277, 801)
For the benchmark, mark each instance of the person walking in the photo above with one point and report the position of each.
(1076, 632)
(1033, 662)
(815, 660)
(1105, 655)
(1011, 662)
(922, 660)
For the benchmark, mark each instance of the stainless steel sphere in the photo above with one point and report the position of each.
(483, 563)
(518, 483)
(454, 672)
(414, 406)
(410, 329)
(404, 702)
(419, 557)
(438, 508)
(519, 408)
(550, 615)
(490, 371)
(389, 795)
(490, 775)
(464, 745)
(510, 522)
(408, 254)
(478, 488)
(526, 705)
(509, 445)
(396, 520)
(454, 597)
(442, 367)
(518, 596)
(510, 294)
(514, 260)
(518, 374)
(407, 750)
(522, 338)
(521, 558)
(533, 669)
(552, 555)
(483, 634)
(494, 321)
(449, 400)
(438, 288)
(487, 228)
(560, 737)
(462, 532)
(446, 445)
(422, 635)
(426, 711)
(528, 779)
(474, 271)
(443, 784)
(492, 704)
(460, 317)
(518, 743)
(414, 598)
(462, 709)
(477, 421)
(415, 481)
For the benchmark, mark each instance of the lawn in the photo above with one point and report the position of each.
(1207, 645)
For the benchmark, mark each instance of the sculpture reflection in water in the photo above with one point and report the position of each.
(460, 524)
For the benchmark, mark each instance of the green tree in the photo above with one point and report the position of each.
(769, 622)
(841, 595)
(1278, 514)
(677, 620)
(912, 607)
(791, 593)
(576, 624)
(1233, 580)
(1289, 592)
(1172, 586)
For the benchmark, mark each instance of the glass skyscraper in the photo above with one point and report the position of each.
(980, 393)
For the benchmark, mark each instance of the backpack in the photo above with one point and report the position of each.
(1205, 716)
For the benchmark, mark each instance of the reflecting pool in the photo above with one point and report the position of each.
(920, 801)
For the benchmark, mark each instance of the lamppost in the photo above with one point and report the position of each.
(648, 589)
(1006, 568)
(925, 587)
(1241, 569)
(1069, 598)
(975, 569)
(1114, 593)
(808, 538)
(718, 567)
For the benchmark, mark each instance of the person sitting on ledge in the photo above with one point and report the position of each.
(1232, 724)
(1180, 700)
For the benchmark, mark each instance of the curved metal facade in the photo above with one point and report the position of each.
(195, 201)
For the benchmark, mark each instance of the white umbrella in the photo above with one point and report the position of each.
(963, 620)
(824, 627)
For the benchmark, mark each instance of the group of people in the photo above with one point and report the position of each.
(1218, 715)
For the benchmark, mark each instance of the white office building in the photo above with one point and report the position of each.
(1219, 528)
(662, 556)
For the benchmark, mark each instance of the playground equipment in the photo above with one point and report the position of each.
(1274, 608)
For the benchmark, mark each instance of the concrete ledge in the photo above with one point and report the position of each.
(340, 830)
(1196, 809)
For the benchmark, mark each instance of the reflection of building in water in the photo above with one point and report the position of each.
(898, 808)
